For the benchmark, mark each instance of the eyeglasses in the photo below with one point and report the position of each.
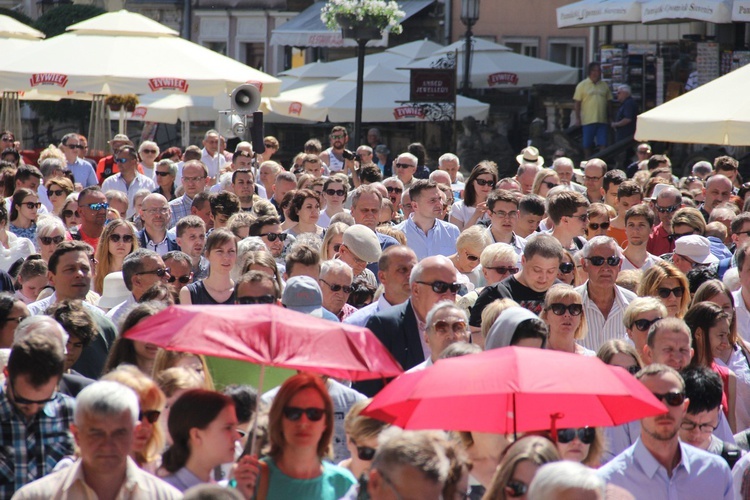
(582, 218)
(269, 146)
(567, 267)
(506, 215)
(404, 165)
(98, 206)
(49, 240)
(294, 413)
(6, 139)
(559, 309)
(442, 286)
(585, 434)
(677, 236)
(338, 137)
(126, 238)
(193, 179)
(503, 269)
(746, 233)
(595, 226)
(591, 178)
(667, 210)
(156, 211)
(484, 182)
(55, 192)
(150, 415)
(161, 174)
(335, 192)
(121, 160)
(671, 398)
(365, 453)
(263, 299)
(444, 327)
(396, 190)
(23, 401)
(633, 369)
(71, 146)
(272, 236)
(31, 205)
(612, 261)
(644, 324)
(550, 185)
(704, 428)
(666, 292)
(472, 258)
(337, 288)
(149, 151)
(515, 488)
(182, 279)
(161, 272)
(67, 213)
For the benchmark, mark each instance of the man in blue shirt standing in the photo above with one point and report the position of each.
(658, 465)
(82, 170)
(624, 123)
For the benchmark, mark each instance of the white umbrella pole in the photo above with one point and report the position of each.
(253, 445)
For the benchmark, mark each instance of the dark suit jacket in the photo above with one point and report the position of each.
(397, 330)
(171, 243)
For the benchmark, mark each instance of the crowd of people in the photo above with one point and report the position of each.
(645, 270)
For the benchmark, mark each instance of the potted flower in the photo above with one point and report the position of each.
(129, 102)
(114, 102)
(363, 18)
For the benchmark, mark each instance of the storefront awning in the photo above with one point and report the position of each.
(307, 29)
(588, 13)
(666, 11)
(741, 11)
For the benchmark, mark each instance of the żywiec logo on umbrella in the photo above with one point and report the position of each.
(408, 112)
(295, 108)
(140, 112)
(48, 79)
(502, 78)
(168, 83)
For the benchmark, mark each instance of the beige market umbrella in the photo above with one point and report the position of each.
(125, 53)
(714, 113)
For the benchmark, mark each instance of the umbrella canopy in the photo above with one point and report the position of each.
(385, 96)
(666, 11)
(11, 28)
(588, 13)
(271, 336)
(702, 116)
(106, 40)
(495, 66)
(514, 389)
(168, 108)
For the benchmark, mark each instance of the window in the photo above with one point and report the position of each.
(569, 51)
(526, 46)
(255, 54)
(220, 47)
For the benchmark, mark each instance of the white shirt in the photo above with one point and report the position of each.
(117, 312)
(650, 261)
(117, 183)
(360, 317)
(421, 366)
(738, 363)
(213, 163)
(602, 329)
(743, 315)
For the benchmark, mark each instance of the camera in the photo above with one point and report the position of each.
(348, 155)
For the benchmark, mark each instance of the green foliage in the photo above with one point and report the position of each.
(54, 21)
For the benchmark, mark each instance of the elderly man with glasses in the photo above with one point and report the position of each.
(446, 325)
(155, 214)
(140, 270)
(82, 170)
(128, 180)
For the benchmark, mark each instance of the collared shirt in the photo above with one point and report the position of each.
(360, 317)
(659, 242)
(180, 208)
(439, 240)
(594, 99)
(83, 172)
(346, 311)
(602, 329)
(29, 449)
(422, 327)
(517, 242)
(743, 315)
(161, 247)
(117, 312)
(70, 484)
(650, 261)
(699, 475)
(117, 183)
(214, 163)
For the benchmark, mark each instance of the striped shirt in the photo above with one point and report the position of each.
(602, 329)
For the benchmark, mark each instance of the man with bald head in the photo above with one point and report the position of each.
(666, 203)
(593, 179)
(404, 167)
(401, 328)
(717, 191)
(156, 214)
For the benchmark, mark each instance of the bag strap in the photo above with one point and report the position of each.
(263, 480)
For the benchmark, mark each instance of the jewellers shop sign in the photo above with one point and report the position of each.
(433, 85)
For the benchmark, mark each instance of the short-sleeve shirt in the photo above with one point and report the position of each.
(334, 483)
(509, 288)
(594, 98)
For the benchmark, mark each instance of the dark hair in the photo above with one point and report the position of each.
(160, 292)
(418, 150)
(75, 319)
(532, 204)
(11, 151)
(196, 408)
(419, 185)
(696, 277)
(362, 292)
(3, 211)
(301, 254)
(257, 225)
(482, 168)
(200, 200)
(40, 356)
(189, 222)
(168, 153)
(224, 203)
(613, 177)
(245, 399)
(700, 319)
(298, 200)
(627, 188)
(370, 173)
(657, 160)
(640, 210)
(67, 247)
(133, 264)
(501, 195)
(123, 350)
(591, 67)
(25, 172)
(565, 204)
(87, 190)
(531, 328)
(703, 387)
(544, 245)
(7, 301)
(18, 197)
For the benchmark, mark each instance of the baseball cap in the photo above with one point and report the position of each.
(696, 248)
(302, 294)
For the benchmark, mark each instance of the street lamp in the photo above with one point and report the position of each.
(469, 16)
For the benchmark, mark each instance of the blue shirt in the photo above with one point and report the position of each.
(699, 475)
(439, 240)
(83, 172)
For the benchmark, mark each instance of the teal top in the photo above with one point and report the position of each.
(333, 484)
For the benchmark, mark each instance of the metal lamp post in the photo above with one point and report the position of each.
(469, 16)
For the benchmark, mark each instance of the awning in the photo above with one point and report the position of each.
(598, 12)
(308, 30)
(741, 11)
(666, 11)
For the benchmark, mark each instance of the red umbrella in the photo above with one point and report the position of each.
(514, 389)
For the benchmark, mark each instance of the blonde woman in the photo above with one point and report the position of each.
(545, 180)
(469, 246)
(564, 314)
(118, 240)
(58, 190)
(640, 314)
(664, 281)
(332, 240)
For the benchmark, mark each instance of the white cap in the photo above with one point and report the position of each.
(696, 248)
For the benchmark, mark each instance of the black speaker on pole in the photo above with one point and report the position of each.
(256, 132)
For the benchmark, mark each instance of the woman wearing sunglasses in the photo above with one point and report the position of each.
(563, 312)
(335, 189)
(518, 467)
(469, 246)
(361, 439)
(300, 426)
(121, 241)
(148, 152)
(545, 180)
(599, 217)
(332, 240)
(467, 212)
(23, 213)
(667, 283)
(218, 287)
(640, 314)
(584, 445)
(58, 189)
(69, 214)
(568, 273)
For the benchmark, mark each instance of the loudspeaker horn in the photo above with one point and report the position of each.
(245, 99)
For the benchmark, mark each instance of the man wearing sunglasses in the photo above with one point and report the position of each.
(336, 284)
(446, 325)
(665, 202)
(180, 269)
(603, 301)
(256, 287)
(334, 155)
(404, 167)
(639, 222)
(658, 465)
(34, 417)
(81, 169)
(128, 180)
(691, 252)
(140, 270)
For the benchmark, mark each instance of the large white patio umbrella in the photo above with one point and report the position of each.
(384, 100)
(127, 53)
(587, 13)
(715, 113)
(495, 66)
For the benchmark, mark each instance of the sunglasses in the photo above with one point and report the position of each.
(121, 160)
(294, 413)
(338, 137)
(484, 182)
(503, 269)
(337, 288)
(595, 226)
(48, 240)
(335, 192)
(182, 279)
(550, 185)
(67, 213)
(644, 324)
(442, 286)
(676, 236)
(269, 146)
(364, 452)
(472, 258)
(633, 369)
(665, 292)
(149, 151)
(582, 218)
(126, 238)
(98, 206)
(263, 299)
(567, 267)
(161, 174)
(31, 205)
(273, 236)
(159, 272)
(444, 327)
(671, 398)
(23, 401)
(559, 309)
(55, 192)
(150, 415)
(585, 434)
(613, 261)
(7, 139)
(404, 165)
(515, 489)
(71, 146)
(396, 190)
(667, 210)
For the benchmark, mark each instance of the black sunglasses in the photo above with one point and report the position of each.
(594, 226)
(567, 267)
(55, 192)
(515, 489)
(677, 236)
(404, 165)
(182, 279)
(671, 398)
(273, 236)
(159, 272)
(263, 299)
(363, 452)
(559, 309)
(335, 192)
(126, 238)
(442, 286)
(585, 434)
(472, 258)
(392, 189)
(23, 401)
(667, 210)
(484, 182)
(597, 261)
(665, 292)
(67, 213)
(644, 324)
(633, 369)
(294, 413)
(48, 240)
(504, 269)
(337, 288)
(31, 205)
(151, 415)
(161, 174)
